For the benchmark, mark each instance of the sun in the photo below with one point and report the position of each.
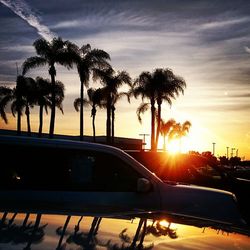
(173, 146)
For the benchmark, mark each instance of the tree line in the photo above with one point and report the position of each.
(154, 88)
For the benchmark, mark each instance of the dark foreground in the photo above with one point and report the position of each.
(43, 231)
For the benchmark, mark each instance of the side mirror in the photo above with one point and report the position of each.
(143, 185)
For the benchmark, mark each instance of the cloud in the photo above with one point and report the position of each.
(222, 24)
(23, 10)
(247, 49)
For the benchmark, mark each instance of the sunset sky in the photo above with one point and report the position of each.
(207, 42)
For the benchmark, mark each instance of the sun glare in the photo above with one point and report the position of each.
(173, 147)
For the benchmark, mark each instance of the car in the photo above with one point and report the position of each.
(197, 170)
(76, 177)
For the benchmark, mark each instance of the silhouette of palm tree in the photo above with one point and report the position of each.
(43, 98)
(111, 81)
(50, 53)
(95, 98)
(179, 130)
(165, 128)
(20, 97)
(86, 60)
(5, 94)
(161, 85)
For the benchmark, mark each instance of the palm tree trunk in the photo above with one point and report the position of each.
(158, 125)
(52, 72)
(164, 143)
(108, 122)
(40, 121)
(19, 122)
(81, 111)
(93, 114)
(153, 148)
(113, 124)
(27, 113)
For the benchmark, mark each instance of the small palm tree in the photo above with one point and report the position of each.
(86, 60)
(94, 100)
(179, 130)
(165, 129)
(111, 81)
(21, 98)
(50, 53)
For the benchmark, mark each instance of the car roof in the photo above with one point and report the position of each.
(72, 144)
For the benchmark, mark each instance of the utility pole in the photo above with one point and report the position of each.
(227, 152)
(232, 152)
(237, 151)
(214, 148)
(144, 141)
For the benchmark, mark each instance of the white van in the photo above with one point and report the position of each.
(62, 176)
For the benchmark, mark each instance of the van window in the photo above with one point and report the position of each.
(43, 168)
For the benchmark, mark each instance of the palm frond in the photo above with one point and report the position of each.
(141, 110)
(33, 62)
(77, 104)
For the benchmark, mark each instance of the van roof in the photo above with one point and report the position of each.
(70, 144)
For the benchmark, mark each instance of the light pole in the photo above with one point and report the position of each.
(144, 140)
(232, 152)
(214, 148)
(227, 152)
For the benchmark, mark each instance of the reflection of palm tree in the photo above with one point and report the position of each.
(55, 52)
(86, 60)
(158, 230)
(94, 100)
(165, 128)
(111, 82)
(161, 85)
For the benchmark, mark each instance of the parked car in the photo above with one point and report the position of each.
(78, 177)
(197, 170)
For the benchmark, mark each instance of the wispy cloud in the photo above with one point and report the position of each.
(224, 23)
(23, 10)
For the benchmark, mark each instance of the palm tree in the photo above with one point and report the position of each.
(179, 130)
(165, 129)
(94, 100)
(168, 87)
(161, 85)
(43, 98)
(111, 81)
(86, 60)
(5, 94)
(50, 53)
(20, 97)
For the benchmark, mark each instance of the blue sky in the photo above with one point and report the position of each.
(205, 42)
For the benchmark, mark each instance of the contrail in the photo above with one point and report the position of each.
(23, 10)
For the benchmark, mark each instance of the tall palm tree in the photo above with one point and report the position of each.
(43, 98)
(111, 82)
(168, 87)
(165, 129)
(94, 100)
(86, 60)
(51, 53)
(161, 85)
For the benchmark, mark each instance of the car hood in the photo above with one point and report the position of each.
(205, 205)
